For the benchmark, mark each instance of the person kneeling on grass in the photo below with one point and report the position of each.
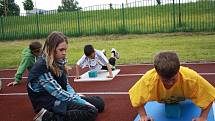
(97, 60)
(51, 95)
(168, 82)
(29, 57)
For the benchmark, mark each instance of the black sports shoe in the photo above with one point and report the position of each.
(116, 54)
(104, 51)
(39, 116)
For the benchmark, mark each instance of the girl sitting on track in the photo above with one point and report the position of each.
(51, 95)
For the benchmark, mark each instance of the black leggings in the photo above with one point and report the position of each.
(85, 113)
(65, 112)
(81, 113)
(112, 62)
(76, 112)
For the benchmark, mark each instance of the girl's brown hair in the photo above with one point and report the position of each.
(51, 43)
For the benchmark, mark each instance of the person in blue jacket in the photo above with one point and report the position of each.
(52, 97)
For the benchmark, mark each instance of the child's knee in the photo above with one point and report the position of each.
(92, 113)
(82, 113)
(112, 61)
(60, 107)
(97, 101)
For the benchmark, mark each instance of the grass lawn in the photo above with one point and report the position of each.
(134, 49)
(145, 18)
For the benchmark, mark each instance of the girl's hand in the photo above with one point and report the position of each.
(77, 77)
(12, 83)
(87, 103)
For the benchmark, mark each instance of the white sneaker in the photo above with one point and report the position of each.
(0, 84)
(39, 115)
(116, 54)
(104, 51)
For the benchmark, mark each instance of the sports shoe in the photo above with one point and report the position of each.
(116, 54)
(104, 51)
(113, 68)
(39, 115)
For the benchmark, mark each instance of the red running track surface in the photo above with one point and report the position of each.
(118, 107)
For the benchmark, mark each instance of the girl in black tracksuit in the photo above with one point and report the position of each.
(52, 97)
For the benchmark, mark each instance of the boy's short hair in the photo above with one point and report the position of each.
(88, 50)
(35, 45)
(166, 64)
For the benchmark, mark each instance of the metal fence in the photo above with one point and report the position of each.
(138, 17)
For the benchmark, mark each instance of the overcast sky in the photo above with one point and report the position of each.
(53, 4)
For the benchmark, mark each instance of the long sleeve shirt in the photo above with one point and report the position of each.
(43, 80)
(28, 60)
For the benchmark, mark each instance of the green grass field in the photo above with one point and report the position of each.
(134, 49)
(198, 16)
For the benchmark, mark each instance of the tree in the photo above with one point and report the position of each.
(68, 5)
(111, 6)
(158, 2)
(9, 8)
(28, 5)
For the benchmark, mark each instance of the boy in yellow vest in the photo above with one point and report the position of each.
(168, 82)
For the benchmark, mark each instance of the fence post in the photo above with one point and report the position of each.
(123, 18)
(179, 17)
(174, 15)
(2, 27)
(78, 22)
(37, 26)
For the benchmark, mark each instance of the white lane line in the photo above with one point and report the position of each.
(13, 69)
(144, 73)
(187, 63)
(119, 75)
(184, 63)
(13, 94)
(84, 93)
(104, 93)
(129, 74)
(206, 73)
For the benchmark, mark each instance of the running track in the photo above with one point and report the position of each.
(15, 105)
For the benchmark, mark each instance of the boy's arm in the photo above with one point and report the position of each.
(202, 95)
(110, 71)
(138, 98)
(142, 112)
(48, 82)
(80, 64)
(21, 69)
(204, 114)
(77, 69)
(52, 87)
